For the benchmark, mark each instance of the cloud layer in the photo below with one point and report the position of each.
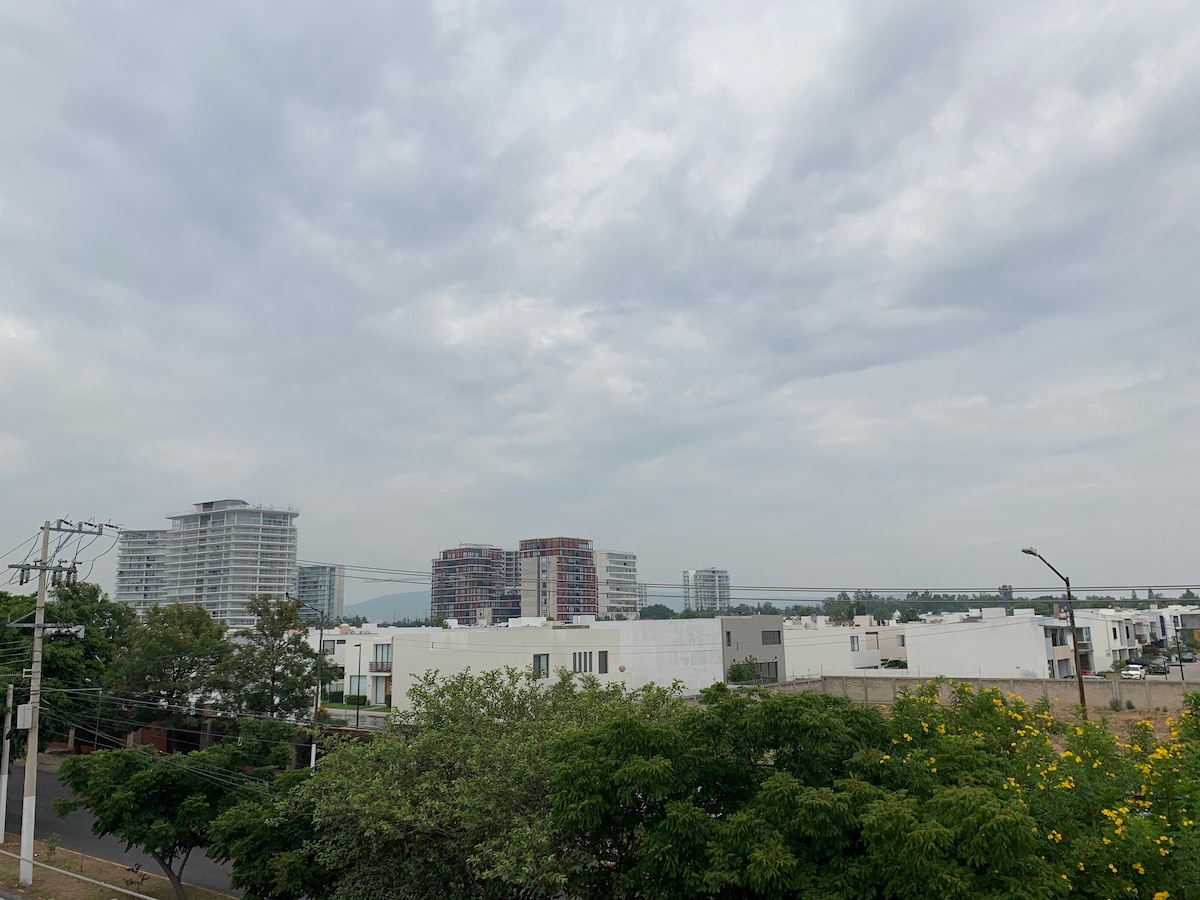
(872, 294)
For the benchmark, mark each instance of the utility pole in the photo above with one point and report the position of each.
(8, 715)
(29, 801)
(61, 573)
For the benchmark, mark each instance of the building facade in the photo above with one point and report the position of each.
(217, 555)
(322, 592)
(616, 583)
(475, 584)
(558, 578)
(706, 590)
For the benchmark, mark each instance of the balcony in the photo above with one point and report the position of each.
(380, 665)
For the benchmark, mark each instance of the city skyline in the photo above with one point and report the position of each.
(865, 295)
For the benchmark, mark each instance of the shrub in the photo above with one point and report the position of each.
(356, 700)
(337, 696)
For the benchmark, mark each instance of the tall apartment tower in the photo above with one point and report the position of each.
(706, 590)
(616, 583)
(558, 578)
(218, 555)
(477, 584)
(322, 588)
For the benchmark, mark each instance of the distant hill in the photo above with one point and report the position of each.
(392, 607)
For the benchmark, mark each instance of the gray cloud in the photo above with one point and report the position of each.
(865, 295)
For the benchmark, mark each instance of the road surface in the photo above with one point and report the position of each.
(74, 831)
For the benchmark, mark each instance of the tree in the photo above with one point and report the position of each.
(1006, 593)
(1189, 594)
(273, 670)
(176, 661)
(162, 806)
(744, 672)
(656, 611)
(73, 668)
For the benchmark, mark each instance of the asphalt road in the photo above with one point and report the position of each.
(74, 831)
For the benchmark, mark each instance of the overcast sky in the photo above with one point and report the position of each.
(845, 294)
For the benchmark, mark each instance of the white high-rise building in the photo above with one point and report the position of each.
(616, 583)
(219, 555)
(706, 590)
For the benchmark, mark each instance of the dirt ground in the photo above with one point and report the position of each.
(52, 885)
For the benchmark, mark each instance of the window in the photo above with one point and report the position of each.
(900, 640)
(602, 662)
(768, 671)
(582, 661)
(541, 665)
(327, 646)
(729, 639)
(1114, 632)
(771, 637)
(854, 643)
(383, 653)
(358, 684)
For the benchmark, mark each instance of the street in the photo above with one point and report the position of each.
(75, 833)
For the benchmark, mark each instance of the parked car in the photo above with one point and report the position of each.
(1158, 667)
(1187, 656)
(1134, 672)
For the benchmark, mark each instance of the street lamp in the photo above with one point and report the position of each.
(357, 705)
(312, 763)
(1074, 632)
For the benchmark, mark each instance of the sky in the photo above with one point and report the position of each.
(846, 295)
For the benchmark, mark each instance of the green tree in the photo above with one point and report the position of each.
(273, 670)
(177, 660)
(73, 669)
(656, 611)
(161, 805)
(744, 672)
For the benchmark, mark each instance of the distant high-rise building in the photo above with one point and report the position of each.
(558, 578)
(141, 568)
(218, 555)
(616, 583)
(706, 590)
(476, 584)
(323, 588)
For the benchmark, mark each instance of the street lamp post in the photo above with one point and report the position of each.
(312, 762)
(1074, 631)
(357, 705)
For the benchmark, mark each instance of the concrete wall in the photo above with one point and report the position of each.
(820, 651)
(880, 687)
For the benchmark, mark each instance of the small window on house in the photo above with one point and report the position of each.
(541, 665)
(327, 646)
(729, 639)
(854, 643)
(768, 671)
(771, 637)
(602, 663)
(1114, 633)
(900, 640)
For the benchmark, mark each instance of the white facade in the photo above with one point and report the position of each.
(817, 646)
(992, 646)
(141, 568)
(706, 590)
(637, 653)
(616, 583)
(218, 555)
(1109, 635)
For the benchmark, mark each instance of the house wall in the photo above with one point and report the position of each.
(687, 651)
(1012, 647)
